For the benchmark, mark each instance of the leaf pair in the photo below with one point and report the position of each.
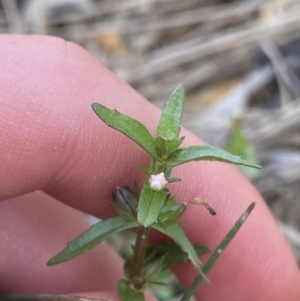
(104, 229)
(167, 130)
(165, 147)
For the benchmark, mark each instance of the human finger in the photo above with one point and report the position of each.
(35, 227)
(77, 152)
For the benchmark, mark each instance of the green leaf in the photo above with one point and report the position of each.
(151, 201)
(169, 124)
(173, 253)
(205, 153)
(127, 293)
(91, 238)
(215, 256)
(177, 234)
(130, 127)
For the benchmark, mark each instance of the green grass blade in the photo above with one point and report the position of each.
(91, 238)
(214, 257)
(130, 127)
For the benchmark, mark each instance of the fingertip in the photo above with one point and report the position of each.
(55, 141)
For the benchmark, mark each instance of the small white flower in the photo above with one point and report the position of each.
(158, 182)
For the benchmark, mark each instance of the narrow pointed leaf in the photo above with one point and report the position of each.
(177, 234)
(127, 293)
(216, 254)
(130, 127)
(92, 237)
(169, 124)
(205, 153)
(151, 201)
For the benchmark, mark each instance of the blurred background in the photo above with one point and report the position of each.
(239, 62)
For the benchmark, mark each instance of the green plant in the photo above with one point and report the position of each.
(152, 206)
(240, 146)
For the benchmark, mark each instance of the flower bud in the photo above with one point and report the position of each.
(125, 203)
(158, 182)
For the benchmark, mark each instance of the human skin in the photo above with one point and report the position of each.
(57, 156)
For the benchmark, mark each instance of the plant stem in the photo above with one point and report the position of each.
(139, 252)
